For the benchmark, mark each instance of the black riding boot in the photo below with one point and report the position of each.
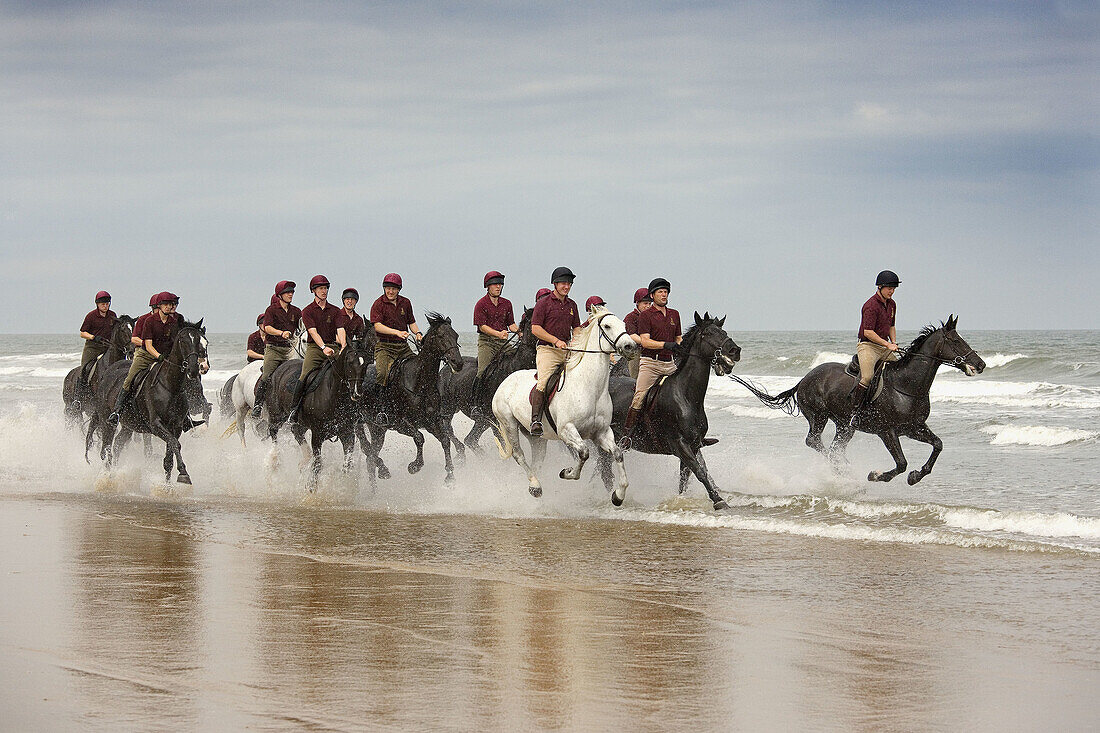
(859, 393)
(296, 399)
(120, 405)
(257, 409)
(536, 413)
(628, 428)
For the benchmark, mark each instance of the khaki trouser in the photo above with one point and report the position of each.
(649, 371)
(547, 359)
(315, 357)
(142, 361)
(92, 350)
(385, 354)
(869, 355)
(632, 365)
(487, 347)
(273, 357)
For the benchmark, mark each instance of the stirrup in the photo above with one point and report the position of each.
(626, 443)
(536, 433)
(114, 419)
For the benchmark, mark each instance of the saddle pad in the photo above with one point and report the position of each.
(313, 379)
(877, 384)
(651, 395)
(554, 384)
(143, 376)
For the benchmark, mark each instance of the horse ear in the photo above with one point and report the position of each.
(952, 321)
(698, 319)
(722, 323)
(706, 316)
(199, 324)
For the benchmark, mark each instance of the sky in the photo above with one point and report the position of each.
(769, 159)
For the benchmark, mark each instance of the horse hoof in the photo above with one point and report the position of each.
(720, 505)
(536, 491)
(873, 476)
(183, 478)
(914, 477)
(562, 473)
(449, 482)
(415, 467)
(616, 499)
(383, 472)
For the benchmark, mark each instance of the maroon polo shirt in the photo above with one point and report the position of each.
(323, 319)
(398, 315)
(660, 327)
(99, 324)
(139, 327)
(161, 333)
(354, 326)
(558, 317)
(498, 317)
(281, 320)
(255, 343)
(631, 321)
(877, 315)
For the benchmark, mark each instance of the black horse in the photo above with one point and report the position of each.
(457, 388)
(410, 400)
(331, 408)
(77, 394)
(900, 411)
(674, 422)
(161, 406)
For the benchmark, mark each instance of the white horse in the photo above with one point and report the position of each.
(244, 395)
(581, 409)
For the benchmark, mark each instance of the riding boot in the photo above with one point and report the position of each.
(120, 405)
(296, 400)
(859, 393)
(628, 427)
(536, 413)
(257, 409)
(709, 441)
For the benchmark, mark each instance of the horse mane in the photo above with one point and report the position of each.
(196, 325)
(917, 342)
(688, 341)
(436, 319)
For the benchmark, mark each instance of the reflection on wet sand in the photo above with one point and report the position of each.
(226, 616)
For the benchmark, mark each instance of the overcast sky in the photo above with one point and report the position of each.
(769, 159)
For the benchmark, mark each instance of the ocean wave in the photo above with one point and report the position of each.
(826, 357)
(999, 360)
(36, 372)
(1037, 435)
(38, 358)
(761, 413)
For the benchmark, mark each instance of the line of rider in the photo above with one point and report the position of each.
(155, 331)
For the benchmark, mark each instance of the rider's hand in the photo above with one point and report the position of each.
(672, 346)
(286, 334)
(419, 337)
(502, 335)
(405, 335)
(559, 344)
(328, 351)
(891, 346)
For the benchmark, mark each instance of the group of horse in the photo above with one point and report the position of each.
(589, 405)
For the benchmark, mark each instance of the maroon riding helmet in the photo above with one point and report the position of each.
(102, 297)
(318, 281)
(166, 297)
(392, 279)
(154, 299)
(493, 278)
(542, 293)
(260, 320)
(641, 295)
(594, 300)
(284, 286)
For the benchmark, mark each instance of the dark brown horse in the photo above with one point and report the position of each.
(76, 393)
(900, 411)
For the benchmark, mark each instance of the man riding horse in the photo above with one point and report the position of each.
(494, 321)
(349, 324)
(96, 331)
(254, 348)
(878, 336)
(552, 322)
(659, 335)
(158, 333)
(280, 323)
(320, 319)
(393, 319)
(642, 301)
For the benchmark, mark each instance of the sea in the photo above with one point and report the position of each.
(819, 600)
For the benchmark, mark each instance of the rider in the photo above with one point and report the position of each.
(592, 300)
(659, 336)
(280, 323)
(135, 336)
(157, 335)
(349, 324)
(878, 337)
(552, 322)
(393, 319)
(542, 293)
(96, 330)
(255, 346)
(319, 318)
(494, 320)
(642, 302)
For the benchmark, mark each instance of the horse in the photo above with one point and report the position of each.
(331, 409)
(410, 400)
(243, 395)
(76, 396)
(457, 388)
(900, 411)
(674, 422)
(161, 406)
(581, 409)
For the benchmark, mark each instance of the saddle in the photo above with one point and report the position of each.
(313, 379)
(877, 382)
(557, 379)
(142, 377)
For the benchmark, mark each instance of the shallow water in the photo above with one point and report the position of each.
(818, 601)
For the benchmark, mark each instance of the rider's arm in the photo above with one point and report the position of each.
(876, 339)
(543, 335)
(253, 354)
(514, 328)
(386, 330)
(488, 330)
(416, 330)
(342, 338)
(86, 335)
(149, 347)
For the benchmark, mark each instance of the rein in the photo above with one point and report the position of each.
(614, 344)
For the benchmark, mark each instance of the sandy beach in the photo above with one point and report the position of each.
(155, 614)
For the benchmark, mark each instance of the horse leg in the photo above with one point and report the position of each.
(890, 440)
(473, 438)
(817, 427)
(242, 414)
(572, 438)
(605, 441)
(418, 439)
(378, 439)
(924, 435)
(443, 433)
(93, 423)
(299, 434)
(182, 477)
(369, 452)
(696, 463)
(685, 474)
(603, 467)
(316, 442)
(449, 434)
(347, 442)
(844, 433)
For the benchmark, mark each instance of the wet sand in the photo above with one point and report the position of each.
(133, 613)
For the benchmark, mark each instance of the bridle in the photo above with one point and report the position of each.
(614, 344)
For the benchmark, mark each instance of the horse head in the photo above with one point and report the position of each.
(709, 340)
(352, 365)
(613, 336)
(442, 340)
(954, 350)
(526, 337)
(121, 334)
(191, 345)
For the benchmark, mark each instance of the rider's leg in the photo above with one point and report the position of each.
(547, 359)
(273, 357)
(142, 361)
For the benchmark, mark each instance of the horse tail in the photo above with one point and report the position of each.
(785, 401)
